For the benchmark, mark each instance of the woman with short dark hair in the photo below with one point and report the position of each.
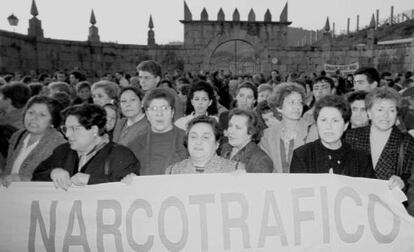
(89, 157)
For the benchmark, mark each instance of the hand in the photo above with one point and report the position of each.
(80, 179)
(128, 178)
(395, 181)
(7, 180)
(61, 178)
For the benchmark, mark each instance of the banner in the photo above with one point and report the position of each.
(345, 69)
(220, 212)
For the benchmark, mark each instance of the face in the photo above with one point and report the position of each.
(100, 97)
(111, 118)
(200, 102)
(61, 77)
(160, 115)
(72, 79)
(262, 96)
(201, 141)
(269, 119)
(130, 104)
(84, 93)
(79, 138)
(359, 116)
(292, 107)
(147, 80)
(4, 102)
(361, 83)
(383, 114)
(37, 119)
(237, 131)
(245, 98)
(321, 89)
(330, 125)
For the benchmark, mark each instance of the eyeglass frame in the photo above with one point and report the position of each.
(74, 128)
(163, 108)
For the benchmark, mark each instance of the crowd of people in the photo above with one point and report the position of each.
(64, 129)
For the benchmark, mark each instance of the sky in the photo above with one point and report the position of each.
(126, 21)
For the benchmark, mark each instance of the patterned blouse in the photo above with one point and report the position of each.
(215, 165)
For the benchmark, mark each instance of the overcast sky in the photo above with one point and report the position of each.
(126, 21)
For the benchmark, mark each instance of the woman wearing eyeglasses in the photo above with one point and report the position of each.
(89, 157)
(36, 141)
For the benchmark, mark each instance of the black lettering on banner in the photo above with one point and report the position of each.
(270, 204)
(298, 215)
(325, 215)
(345, 192)
(239, 222)
(144, 205)
(76, 240)
(202, 201)
(108, 229)
(380, 237)
(167, 203)
(35, 218)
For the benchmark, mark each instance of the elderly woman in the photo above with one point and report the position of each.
(202, 139)
(104, 92)
(89, 157)
(243, 132)
(134, 123)
(391, 151)
(30, 146)
(331, 114)
(292, 131)
(200, 101)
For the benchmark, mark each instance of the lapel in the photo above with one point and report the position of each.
(389, 151)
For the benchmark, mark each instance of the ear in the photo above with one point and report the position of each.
(95, 130)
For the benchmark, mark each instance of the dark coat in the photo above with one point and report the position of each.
(110, 164)
(359, 139)
(254, 158)
(315, 158)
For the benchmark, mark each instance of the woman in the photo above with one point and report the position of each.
(112, 116)
(202, 139)
(391, 151)
(89, 157)
(104, 92)
(134, 123)
(292, 131)
(36, 141)
(332, 115)
(243, 132)
(201, 101)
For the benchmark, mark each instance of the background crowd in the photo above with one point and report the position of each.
(62, 128)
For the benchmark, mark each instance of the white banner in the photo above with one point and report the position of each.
(220, 212)
(345, 69)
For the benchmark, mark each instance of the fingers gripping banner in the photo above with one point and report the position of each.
(252, 212)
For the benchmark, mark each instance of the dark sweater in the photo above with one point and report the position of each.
(315, 158)
(110, 164)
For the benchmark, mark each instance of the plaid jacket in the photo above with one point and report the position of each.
(387, 163)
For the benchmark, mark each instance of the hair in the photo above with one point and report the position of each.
(82, 84)
(254, 126)
(35, 88)
(60, 87)
(380, 93)
(323, 79)
(249, 85)
(206, 87)
(281, 91)
(183, 80)
(43, 76)
(109, 87)
(63, 98)
(263, 108)
(78, 75)
(334, 101)
(169, 83)
(52, 105)
(150, 66)
(136, 91)
(208, 120)
(88, 115)
(371, 73)
(159, 93)
(185, 89)
(264, 87)
(356, 96)
(17, 92)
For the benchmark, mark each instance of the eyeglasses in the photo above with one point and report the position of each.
(74, 129)
(163, 108)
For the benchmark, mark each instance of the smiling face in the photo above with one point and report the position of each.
(202, 143)
(292, 106)
(160, 115)
(331, 127)
(383, 114)
(37, 119)
(130, 104)
(200, 102)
